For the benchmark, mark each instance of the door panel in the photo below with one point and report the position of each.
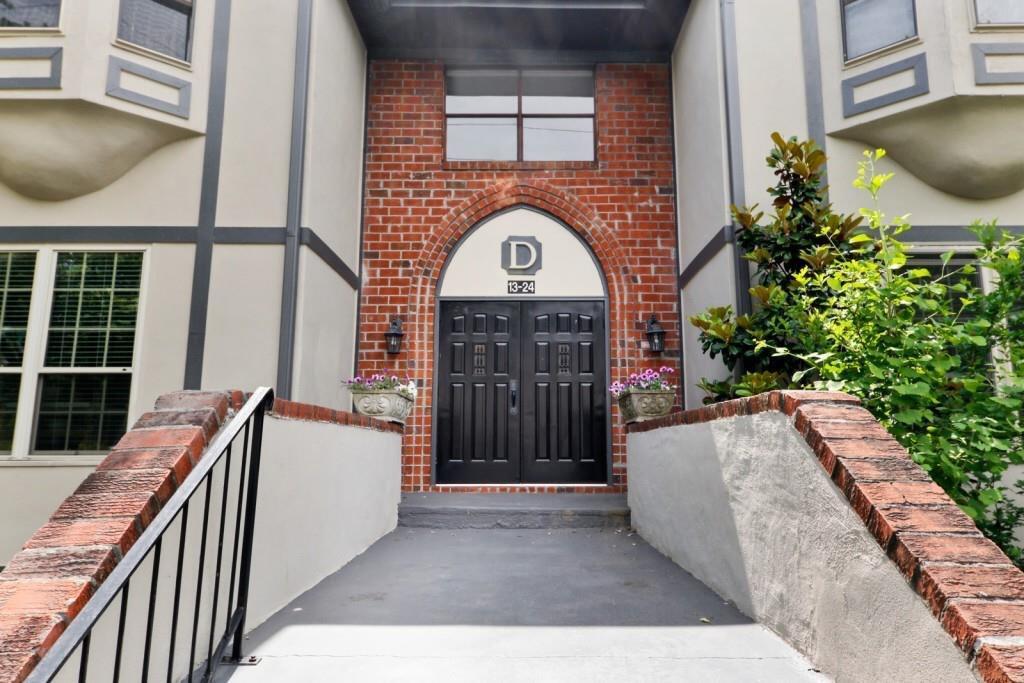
(521, 392)
(477, 426)
(565, 417)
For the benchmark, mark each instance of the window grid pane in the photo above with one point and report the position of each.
(17, 273)
(1000, 11)
(29, 13)
(10, 385)
(529, 115)
(94, 310)
(81, 413)
(558, 139)
(870, 25)
(163, 26)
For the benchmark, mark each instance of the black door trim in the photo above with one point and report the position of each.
(437, 330)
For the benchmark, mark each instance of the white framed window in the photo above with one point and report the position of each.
(29, 15)
(80, 350)
(998, 13)
(163, 27)
(870, 26)
(17, 274)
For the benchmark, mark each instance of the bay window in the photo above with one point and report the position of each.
(999, 12)
(871, 25)
(29, 13)
(163, 26)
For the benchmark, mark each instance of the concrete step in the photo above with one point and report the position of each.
(513, 511)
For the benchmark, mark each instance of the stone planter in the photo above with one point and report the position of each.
(390, 406)
(640, 406)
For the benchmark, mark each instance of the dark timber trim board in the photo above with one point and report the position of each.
(55, 55)
(951, 234)
(293, 216)
(367, 74)
(918, 64)
(312, 240)
(97, 234)
(117, 66)
(521, 57)
(979, 56)
(158, 234)
(208, 198)
(812, 78)
(734, 142)
(248, 235)
(714, 245)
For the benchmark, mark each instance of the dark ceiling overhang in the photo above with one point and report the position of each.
(520, 31)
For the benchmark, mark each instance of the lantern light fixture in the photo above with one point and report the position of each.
(394, 335)
(655, 334)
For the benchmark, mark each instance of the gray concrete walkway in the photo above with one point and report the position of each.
(532, 605)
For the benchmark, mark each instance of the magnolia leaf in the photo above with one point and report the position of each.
(1012, 403)
(989, 497)
(910, 417)
(915, 389)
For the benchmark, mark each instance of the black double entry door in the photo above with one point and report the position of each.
(521, 392)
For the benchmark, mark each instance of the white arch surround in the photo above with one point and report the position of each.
(568, 268)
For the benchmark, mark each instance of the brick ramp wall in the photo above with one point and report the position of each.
(49, 582)
(971, 587)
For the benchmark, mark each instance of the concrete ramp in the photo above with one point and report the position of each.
(466, 604)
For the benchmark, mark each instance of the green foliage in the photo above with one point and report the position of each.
(939, 362)
(802, 235)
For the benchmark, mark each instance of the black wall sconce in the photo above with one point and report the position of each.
(655, 335)
(394, 336)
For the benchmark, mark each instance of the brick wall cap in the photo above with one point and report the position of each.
(970, 586)
(47, 583)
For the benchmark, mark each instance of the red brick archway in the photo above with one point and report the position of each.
(418, 205)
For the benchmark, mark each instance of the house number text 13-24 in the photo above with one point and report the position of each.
(522, 287)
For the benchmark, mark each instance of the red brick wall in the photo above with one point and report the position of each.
(417, 206)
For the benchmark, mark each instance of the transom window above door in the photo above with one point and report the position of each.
(519, 114)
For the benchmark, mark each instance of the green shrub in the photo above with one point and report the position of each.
(939, 362)
(803, 233)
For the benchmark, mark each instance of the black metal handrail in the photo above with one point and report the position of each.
(78, 637)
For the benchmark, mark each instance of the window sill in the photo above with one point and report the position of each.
(997, 28)
(882, 52)
(152, 54)
(519, 165)
(90, 461)
(11, 31)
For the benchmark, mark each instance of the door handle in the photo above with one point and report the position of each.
(513, 388)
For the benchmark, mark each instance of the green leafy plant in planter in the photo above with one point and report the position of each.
(936, 358)
(802, 233)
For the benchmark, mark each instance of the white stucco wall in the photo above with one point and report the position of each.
(327, 493)
(324, 335)
(702, 180)
(335, 116)
(29, 493)
(567, 267)
(744, 505)
(242, 324)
